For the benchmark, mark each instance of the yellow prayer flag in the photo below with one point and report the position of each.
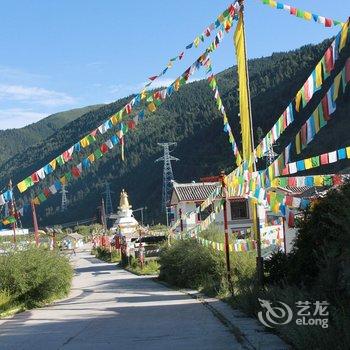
(344, 36)
(22, 186)
(244, 103)
(318, 71)
(348, 152)
(36, 201)
(53, 164)
(84, 142)
(337, 81)
(152, 107)
(63, 180)
(143, 94)
(307, 15)
(298, 100)
(91, 158)
(308, 163)
(273, 3)
(318, 180)
(114, 119)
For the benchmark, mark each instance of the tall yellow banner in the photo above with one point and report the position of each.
(244, 103)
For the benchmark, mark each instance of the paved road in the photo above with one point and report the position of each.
(110, 308)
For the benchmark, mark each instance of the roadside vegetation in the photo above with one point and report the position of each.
(317, 269)
(107, 255)
(31, 278)
(150, 267)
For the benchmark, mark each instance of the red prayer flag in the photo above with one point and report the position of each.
(232, 10)
(328, 58)
(131, 124)
(289, 201)
(292, 182)
(347, 70)
(35, 177)
(324, 158)
(93, 133)
(293, 11)
(325, 108)
(153, 78)
(291, 221)
(337, 180)
(285, 171)
(47, 192)
(75, 172)
(104, 148)
(181, 55)
(128, 108)
(329, 22)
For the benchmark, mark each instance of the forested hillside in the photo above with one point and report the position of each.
(189, 117)
(13, 141)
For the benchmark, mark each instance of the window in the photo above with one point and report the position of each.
(239, 210)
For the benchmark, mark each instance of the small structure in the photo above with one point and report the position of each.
(125, 225)
(187, 197)
(72, 241)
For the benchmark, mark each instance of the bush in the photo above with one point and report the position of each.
(151, 267)
(35, 275)
(107, 255)
(5, 300)
(189, 264)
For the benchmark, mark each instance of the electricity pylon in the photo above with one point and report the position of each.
(64, 202)
(168, 175)
(108, 200)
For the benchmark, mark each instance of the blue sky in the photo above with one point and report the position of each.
(61, 54)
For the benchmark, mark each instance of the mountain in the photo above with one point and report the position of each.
(13, 141)
(190, 118)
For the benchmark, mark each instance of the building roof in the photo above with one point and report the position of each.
(305, 191)
(192, 192)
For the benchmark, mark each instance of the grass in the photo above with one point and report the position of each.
(150, 268)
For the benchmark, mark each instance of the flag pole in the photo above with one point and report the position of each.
(259, 259)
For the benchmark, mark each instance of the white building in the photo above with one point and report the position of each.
(186, 197)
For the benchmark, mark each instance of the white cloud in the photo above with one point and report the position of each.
(17, 117)
(35, 95)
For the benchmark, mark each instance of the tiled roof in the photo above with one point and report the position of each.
(305, 191)
(194, 191)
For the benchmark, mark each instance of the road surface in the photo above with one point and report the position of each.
(110, 308)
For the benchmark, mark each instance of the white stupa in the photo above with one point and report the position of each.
(126, 225)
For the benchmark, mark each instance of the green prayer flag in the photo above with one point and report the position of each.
(42, 197)
(68, 176)
(60, 160)
(315, 161)
(98, 154)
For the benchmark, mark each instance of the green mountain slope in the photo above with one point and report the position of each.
(13, 141)
(189, 117)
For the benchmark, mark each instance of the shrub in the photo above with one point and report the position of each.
(5, 300)
(107, 255)
(35, 275)
(189, 264)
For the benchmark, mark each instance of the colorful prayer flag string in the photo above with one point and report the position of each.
(327, 22)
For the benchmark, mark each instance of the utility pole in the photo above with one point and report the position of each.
(168, 175)
(35, 224)
(108, 200)
(227, 244)
(13, 211)
(64, 202)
